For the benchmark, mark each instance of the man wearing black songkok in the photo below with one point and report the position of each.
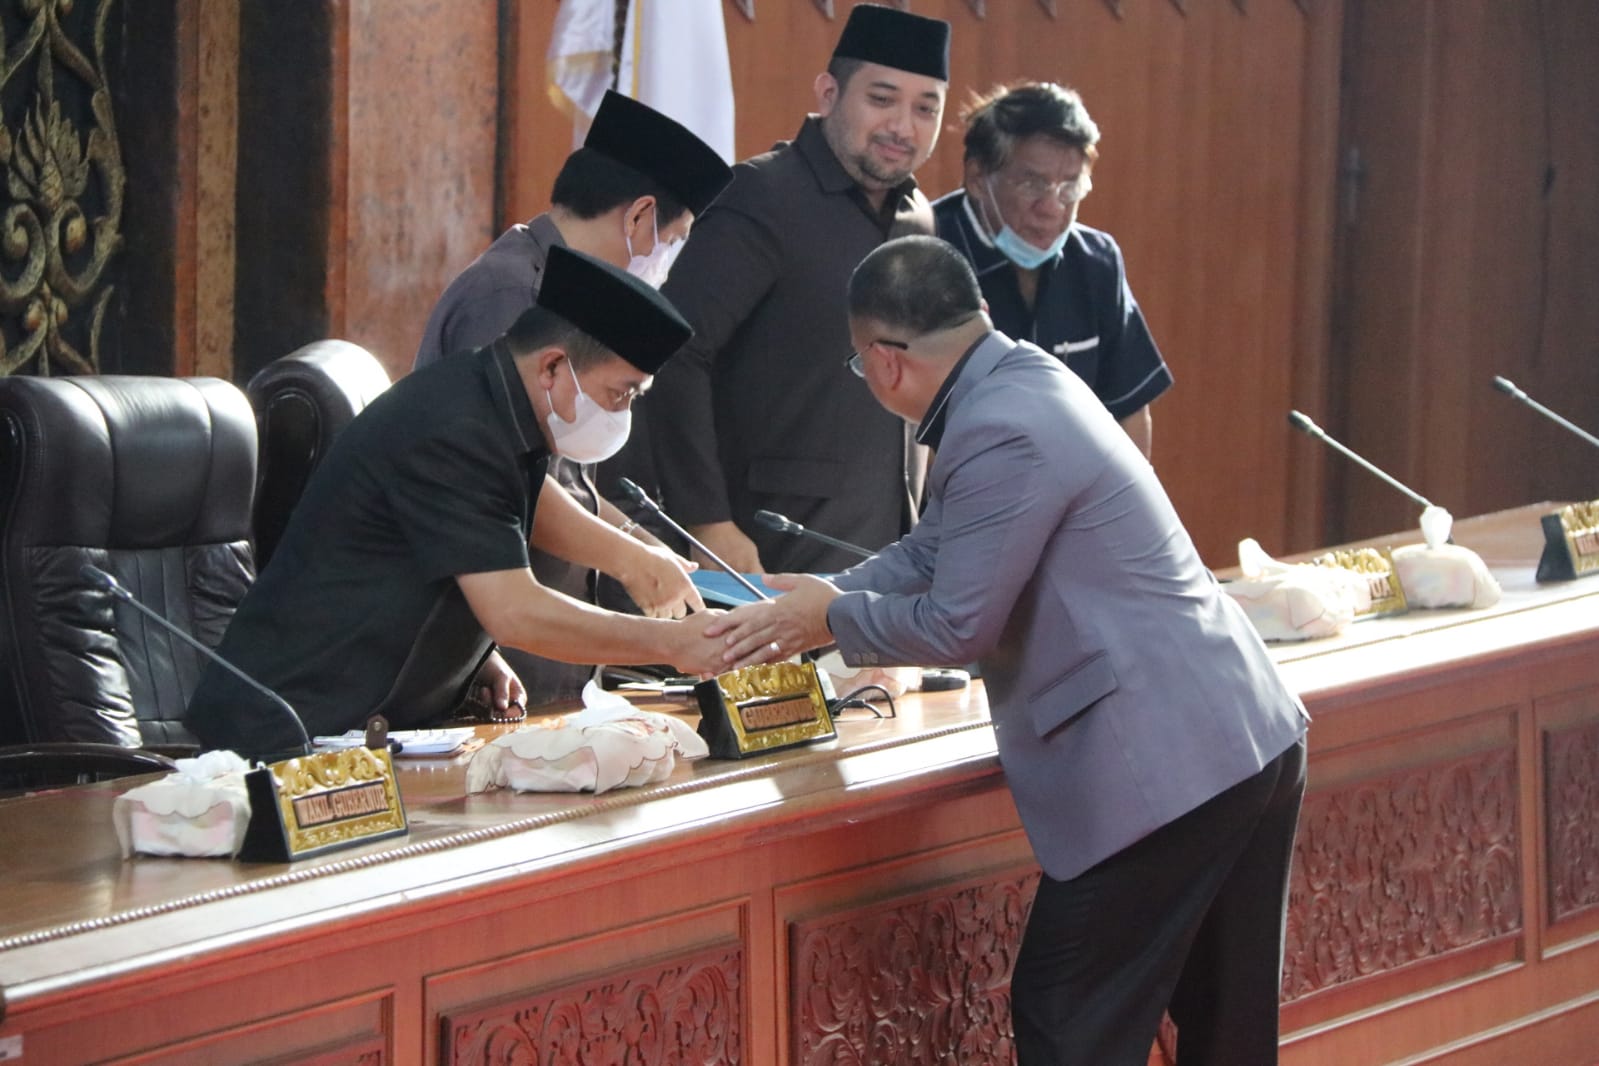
(406, 560)
(759, 413)
(629, 197)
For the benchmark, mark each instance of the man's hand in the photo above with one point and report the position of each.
(499, 689)
(780, 628)
(728, 541)
(694, 652)
(657, 579)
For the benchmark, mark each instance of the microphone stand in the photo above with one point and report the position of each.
(1505, 386)
(1306, 426)
(96, 576)
(643, 499)
(779, 523)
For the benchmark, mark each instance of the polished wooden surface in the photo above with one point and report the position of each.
(1444, 904)
(75, 872)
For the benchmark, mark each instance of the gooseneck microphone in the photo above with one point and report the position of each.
(95, 576)
(1504, 385)
(1309, 428)
(642, 498)
(783, 524)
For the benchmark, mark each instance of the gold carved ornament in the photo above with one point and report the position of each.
(53, 255)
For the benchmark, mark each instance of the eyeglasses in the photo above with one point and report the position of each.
(857, 364)
(620, 398)
(1068, 192)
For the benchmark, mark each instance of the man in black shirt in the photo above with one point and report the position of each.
(406, 560)
(758, 414)
(628, 196)
(1030, 151)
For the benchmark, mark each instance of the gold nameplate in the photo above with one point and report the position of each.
(1376, 567)
(763, 708)
(319, 803)
(1571, 543)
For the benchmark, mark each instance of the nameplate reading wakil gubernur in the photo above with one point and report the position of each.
(763, 708)
(319, 803)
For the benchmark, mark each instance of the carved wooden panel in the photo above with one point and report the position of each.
(687, 1010)
(1571, 770)
(1388, 871)
(925, 980)
(63, 175)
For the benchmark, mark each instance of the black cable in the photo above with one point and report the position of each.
(855, 699)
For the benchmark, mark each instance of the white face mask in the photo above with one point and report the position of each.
(1017, 248)
(594, 434)
(652, 269)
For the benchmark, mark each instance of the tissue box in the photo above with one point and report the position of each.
(1287, 602)
(610, 744)
(1447, 575)
(201, 810)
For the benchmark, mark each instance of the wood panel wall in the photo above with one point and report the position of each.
(404, 135)
(1472, 250)
(1219, 126)
(366, 169)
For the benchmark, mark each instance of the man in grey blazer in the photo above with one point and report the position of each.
(1155, 755)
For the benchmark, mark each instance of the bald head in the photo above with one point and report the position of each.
(914, 285)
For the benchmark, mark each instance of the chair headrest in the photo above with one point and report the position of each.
(126, 461)
(330, 371)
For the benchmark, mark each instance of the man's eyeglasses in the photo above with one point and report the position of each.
(856, 362)
(1034, 188)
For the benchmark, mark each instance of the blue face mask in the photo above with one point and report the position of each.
(1013, 247)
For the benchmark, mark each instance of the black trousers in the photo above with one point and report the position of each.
(1189, 919)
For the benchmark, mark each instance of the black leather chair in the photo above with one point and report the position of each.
(302, 401)
(151, 480)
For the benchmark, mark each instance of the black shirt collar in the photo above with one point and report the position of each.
(505, 384)
(931, 431)
(811, 143)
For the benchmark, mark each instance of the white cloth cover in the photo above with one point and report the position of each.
(1295, 601)
(898, 680)
(1445, 576)
(199, 810)
(609, 744)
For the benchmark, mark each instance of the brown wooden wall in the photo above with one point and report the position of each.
(1219, 127)
(1472, 250)
(324, 169)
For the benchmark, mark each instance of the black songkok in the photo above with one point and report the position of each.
(893, 38)
(629, 317)
(638, 136)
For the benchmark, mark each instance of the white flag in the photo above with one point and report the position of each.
(578, 64)
(673, 57)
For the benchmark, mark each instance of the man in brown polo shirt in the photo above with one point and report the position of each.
(758, 412)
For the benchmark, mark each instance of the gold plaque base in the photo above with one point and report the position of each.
(763, 708)
(319, 803)
(1376, 566)
(1571, 543)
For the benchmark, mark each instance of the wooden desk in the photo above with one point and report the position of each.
(866, 894)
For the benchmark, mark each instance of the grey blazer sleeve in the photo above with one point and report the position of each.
(904, 566)
(994, 510)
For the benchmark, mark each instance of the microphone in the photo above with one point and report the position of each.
(95, 576)
(642, 498)
(1504, 386)
(1309, 428)
(784, 524)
